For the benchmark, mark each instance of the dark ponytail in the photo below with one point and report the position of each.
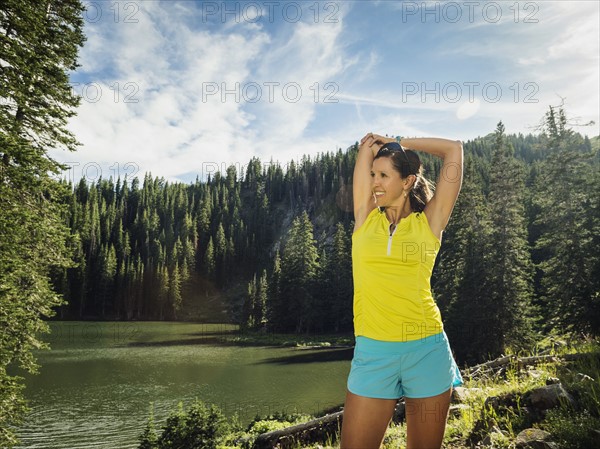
(421, 192)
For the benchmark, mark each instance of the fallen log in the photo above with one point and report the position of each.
(321, 429)
(520, 362)
(316, 431)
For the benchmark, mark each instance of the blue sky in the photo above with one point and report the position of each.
(184, 88)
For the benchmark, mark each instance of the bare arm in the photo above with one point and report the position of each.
(449, 183)
(361, 181)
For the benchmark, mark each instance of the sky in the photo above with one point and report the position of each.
(182, 89)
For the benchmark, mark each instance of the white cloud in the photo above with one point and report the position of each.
(166, 128)
(468, 109)
(169, 127)
(555, 55)
(171, 57)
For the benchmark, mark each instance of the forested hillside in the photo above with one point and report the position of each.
(270, 248)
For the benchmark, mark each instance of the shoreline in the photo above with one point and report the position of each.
(312, 341)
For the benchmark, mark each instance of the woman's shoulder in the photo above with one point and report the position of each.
(424, 220)
(373, 214)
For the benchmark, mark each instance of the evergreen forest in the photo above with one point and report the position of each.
(270, 249)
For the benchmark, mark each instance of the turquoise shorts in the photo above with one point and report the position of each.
(413, 369)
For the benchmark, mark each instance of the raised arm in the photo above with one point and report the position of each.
(449, 183)
(361, 181)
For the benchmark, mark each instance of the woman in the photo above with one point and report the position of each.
(401, 348)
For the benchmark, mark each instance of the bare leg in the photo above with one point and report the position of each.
(365, 421)
(426, 420)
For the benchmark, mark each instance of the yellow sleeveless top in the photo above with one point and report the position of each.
(392, 274)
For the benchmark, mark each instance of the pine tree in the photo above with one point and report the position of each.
(149, 439)
(325, 288)
(511, 280)
(261, 301)
(107, 272)
(220, 255)
(298, 275)
(164, 289)
(460, 288)
(38, 48)
(209, 258)
(335, 293)
(204, 228)
(569, 219)
(275, 305)
(175, 297)
(249, 306)
(342, 278)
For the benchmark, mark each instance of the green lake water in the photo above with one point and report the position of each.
(96, 383)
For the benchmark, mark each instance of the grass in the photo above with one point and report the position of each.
(559, 422)
(571, 429)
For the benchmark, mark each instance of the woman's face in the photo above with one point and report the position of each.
(386, 182)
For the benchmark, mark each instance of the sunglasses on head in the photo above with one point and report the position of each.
(392, 147)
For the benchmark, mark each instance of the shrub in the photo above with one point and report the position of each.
(200, 427)
(572, 430)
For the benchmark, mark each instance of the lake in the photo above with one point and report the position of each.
(96, 383)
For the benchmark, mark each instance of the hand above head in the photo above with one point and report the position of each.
(382, 140)
(375, 141)
(367, 140)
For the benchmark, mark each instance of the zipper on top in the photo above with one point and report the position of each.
(389, 247)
